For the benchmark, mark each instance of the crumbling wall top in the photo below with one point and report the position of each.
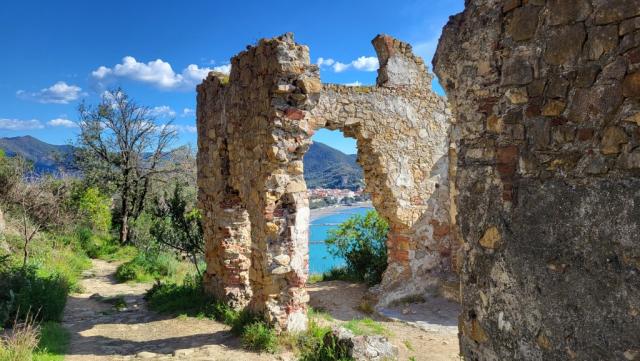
(398, 65)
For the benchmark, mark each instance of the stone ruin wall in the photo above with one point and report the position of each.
(253, 131)
(546, 96)
(401, 128)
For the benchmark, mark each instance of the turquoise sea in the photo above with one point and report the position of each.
(319, 258)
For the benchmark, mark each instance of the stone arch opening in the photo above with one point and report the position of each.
(254, 128)
(335, 186)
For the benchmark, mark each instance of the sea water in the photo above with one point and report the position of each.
(320, 260)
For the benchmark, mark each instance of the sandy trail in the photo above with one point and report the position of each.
(100, 333)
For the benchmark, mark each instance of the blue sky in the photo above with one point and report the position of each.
(56, 53)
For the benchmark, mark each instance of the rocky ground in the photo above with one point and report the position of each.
(100, 333)
(424, 331)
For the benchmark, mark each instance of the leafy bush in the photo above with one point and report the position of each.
(361, 242)
(104, 247)
(316, 344)
(341, 274)
(94, 209)
(258, 336)
(179, 227)
(148, 266)
(140, 231)
(28, 293)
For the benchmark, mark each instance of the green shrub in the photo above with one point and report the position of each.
(25, 292)
(361, 242)
(187, 298)
(94, 208)
(145, 267)
(54, 341)
(341, 274)
(177, 226)
(190, 299)
(317, 344)
(257, 336)
(63, 262)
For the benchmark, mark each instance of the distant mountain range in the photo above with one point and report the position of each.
(46, 158)
(324, 166)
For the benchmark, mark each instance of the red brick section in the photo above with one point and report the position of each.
(294, 114)
(506, 164)
(398, 245)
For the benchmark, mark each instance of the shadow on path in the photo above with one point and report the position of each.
(100, 332)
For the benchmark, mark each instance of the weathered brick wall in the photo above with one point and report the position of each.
(253, 130)
(546, 96)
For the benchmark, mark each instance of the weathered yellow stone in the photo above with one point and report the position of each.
(491, 238)
(553, 108)
(632, 355)
(296, 186)
(495, 124)
(272, 228)
(543, 341)
(311, 85)
(517, 95)
(611, 140)
(477, 332)
(634, 119)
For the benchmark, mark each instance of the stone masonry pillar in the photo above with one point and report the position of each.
(546, 96)
(252, 133)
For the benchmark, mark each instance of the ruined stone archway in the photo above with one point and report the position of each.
(254, 129)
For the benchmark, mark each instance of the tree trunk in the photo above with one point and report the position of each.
(25, 256)
(124, 229)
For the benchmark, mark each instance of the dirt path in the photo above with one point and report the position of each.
(100, 333)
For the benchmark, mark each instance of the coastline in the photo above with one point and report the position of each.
(328, 211)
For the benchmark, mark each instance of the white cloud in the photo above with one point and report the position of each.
(226, 69)
(163, 111)
(339, 67)
(325, 62)
(58, 93)
(186, 112)
(362, 63)
(355, 83)
(366, 63)
(17, 124)
(158, 73)
(61, 122)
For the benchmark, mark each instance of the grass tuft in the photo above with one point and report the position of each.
(21, 341)
(54, 341)
(258, 336)
(366, 327)
(146, 267)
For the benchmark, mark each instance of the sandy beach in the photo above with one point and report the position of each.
(328, 211)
